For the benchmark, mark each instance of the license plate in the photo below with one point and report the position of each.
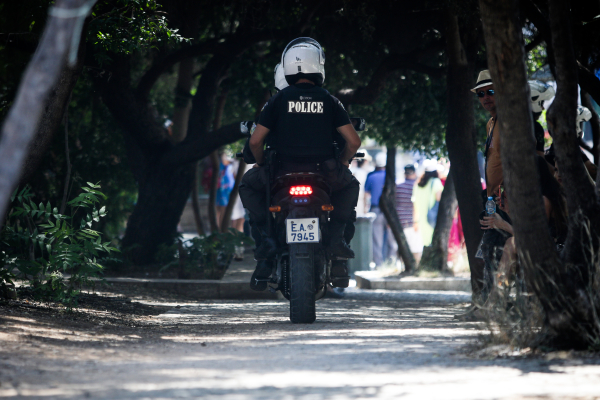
(302, 230)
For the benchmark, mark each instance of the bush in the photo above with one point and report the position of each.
(55, 254)
(204, 257)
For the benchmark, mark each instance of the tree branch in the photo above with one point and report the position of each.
(134, 114)
(151, 76)
(201, 146)
(534, 43)
(411, 61)
(220, 44)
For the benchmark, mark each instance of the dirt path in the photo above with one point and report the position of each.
(368, 345)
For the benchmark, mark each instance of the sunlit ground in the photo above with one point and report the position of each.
(369, 345)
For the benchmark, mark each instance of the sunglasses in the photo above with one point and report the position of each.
(490, 92)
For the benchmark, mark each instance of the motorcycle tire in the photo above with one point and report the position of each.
(302, 285)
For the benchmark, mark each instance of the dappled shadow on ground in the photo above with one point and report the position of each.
(357, 348)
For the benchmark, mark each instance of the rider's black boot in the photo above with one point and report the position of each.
(267, 248)
(339, 274)
(263, 271)
(337, 244)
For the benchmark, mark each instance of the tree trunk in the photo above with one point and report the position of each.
(161, 200)
(195, 203)
(462, 150)
(40, 76)
(561, 299)
(167, 172)
(56, 104)
(233, 196)
(181, 112)
(387, 202)
(580, 245)
(435, 257)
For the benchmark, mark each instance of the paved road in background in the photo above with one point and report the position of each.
(369, 345)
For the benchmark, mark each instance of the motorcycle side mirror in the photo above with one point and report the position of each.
(360, 124)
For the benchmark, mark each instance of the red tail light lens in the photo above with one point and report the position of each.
(300, 190)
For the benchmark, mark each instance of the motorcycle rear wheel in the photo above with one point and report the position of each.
(302, 286)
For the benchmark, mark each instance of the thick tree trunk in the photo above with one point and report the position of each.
(462, 150)
(581, 246)
(233, 197)
(168, 172)
(435, 257)
(161, 199)
(543, 271)
(387, 203)
(56, 105)
(40, 76)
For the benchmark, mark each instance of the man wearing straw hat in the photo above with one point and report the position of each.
(484, 89)
(493, 239)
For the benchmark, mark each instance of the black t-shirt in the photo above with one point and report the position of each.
(302, 120)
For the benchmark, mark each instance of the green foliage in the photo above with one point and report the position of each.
(129, 26)
(536, 59)
(207, 257)
(409, 113)
(55, 253)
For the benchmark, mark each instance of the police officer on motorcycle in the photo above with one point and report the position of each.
(299, 122)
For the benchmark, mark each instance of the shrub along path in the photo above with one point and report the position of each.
(372, 344)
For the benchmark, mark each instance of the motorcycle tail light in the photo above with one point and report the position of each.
(300, 190)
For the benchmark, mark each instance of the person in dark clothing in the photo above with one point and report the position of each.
(507, 259)
(299, 122)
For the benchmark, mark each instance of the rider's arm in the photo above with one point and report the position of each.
(352, 142)
(257, 143)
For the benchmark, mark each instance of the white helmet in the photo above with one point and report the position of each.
(280, 82)
(540, 92)
(380, 159)
(583, 115)
(303, 58)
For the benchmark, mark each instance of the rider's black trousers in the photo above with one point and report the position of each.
(344, 196)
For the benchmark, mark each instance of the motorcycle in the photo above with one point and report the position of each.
(300, 205)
